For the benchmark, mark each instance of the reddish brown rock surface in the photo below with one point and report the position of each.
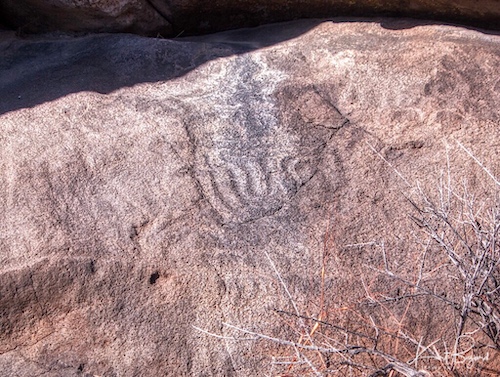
(143, 181)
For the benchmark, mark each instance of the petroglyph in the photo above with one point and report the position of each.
(250, 161)
(245, 188)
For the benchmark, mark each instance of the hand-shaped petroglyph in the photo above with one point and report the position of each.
(244, 188)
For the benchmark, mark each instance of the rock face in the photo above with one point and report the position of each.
(173, 17)
(145, 182)
(136, 16)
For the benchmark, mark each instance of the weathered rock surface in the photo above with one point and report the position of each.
(143, 181)
(136, 16)
(173, 17)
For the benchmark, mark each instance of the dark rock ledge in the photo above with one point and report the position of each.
(170, 18)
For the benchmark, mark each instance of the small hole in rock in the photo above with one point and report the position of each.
(80, 367)
(92, 266)
(154, 277)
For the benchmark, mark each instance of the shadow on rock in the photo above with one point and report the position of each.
(41, 70)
